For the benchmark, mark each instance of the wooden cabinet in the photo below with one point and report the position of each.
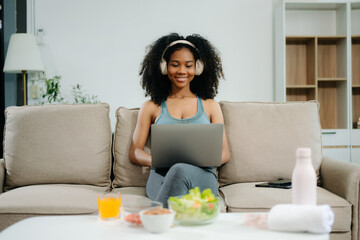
(300, 69)
(355, 84)
(355, 59)
(317, 54)
(355, 46)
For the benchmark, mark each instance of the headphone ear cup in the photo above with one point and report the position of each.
(199, 67)
(163, 67)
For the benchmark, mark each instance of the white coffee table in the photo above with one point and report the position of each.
(227, 226)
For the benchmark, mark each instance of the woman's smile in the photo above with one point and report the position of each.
(181, 78)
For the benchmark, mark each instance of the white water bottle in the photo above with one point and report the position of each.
(303, 179)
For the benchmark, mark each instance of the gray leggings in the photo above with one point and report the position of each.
(177, 181)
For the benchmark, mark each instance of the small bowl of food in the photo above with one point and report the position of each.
(195, 208)
(132, 205)
(157, 220)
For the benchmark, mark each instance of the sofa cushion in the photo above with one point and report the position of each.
(51, 199)
(131, 191)
(263, 138)
(2, 174)
(57, 144)
(245, 197)
(127, 174)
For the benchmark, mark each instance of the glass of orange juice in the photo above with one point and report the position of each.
(109, 206)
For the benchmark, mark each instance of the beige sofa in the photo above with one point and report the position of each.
(57, 157)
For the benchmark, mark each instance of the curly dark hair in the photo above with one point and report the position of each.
(158, 86)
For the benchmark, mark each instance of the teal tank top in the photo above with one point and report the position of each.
(199, 118)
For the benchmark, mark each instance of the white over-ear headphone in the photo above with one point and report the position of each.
(199, 65)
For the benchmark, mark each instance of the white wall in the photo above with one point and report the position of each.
(100, 44)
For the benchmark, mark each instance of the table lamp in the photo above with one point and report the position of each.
(23, 56)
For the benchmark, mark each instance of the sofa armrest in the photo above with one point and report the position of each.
(2, 174)
(343, 179)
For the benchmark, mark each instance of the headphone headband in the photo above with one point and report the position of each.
(177, 42)
(182, 41)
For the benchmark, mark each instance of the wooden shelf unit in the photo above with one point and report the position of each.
(332, 99)
(355, 53)
(300, 61)
(331, 57)
(300, 94)
(316, 70)
(355, 106)
(355, 47)
(317, 53)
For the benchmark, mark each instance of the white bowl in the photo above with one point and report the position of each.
(133, 204)
(157, 223)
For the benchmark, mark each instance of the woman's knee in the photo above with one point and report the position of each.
(181, 170)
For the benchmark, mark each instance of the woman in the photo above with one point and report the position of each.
(181, 75)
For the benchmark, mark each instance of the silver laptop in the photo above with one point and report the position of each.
(196, 144)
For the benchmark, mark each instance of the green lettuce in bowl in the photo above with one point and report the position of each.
(195, 207)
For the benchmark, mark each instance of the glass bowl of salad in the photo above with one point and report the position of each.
(196, 207)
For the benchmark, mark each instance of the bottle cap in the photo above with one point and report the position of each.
(303, 152)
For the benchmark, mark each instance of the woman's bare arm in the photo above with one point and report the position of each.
(137, 155)
(216, 116)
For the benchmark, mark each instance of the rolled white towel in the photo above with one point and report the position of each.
(301, 218)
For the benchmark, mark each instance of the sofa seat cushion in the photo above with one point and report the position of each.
(57, 144)
(131, 190)
(127, 174)
(263, 138)
(245, 197)
(50, 199)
